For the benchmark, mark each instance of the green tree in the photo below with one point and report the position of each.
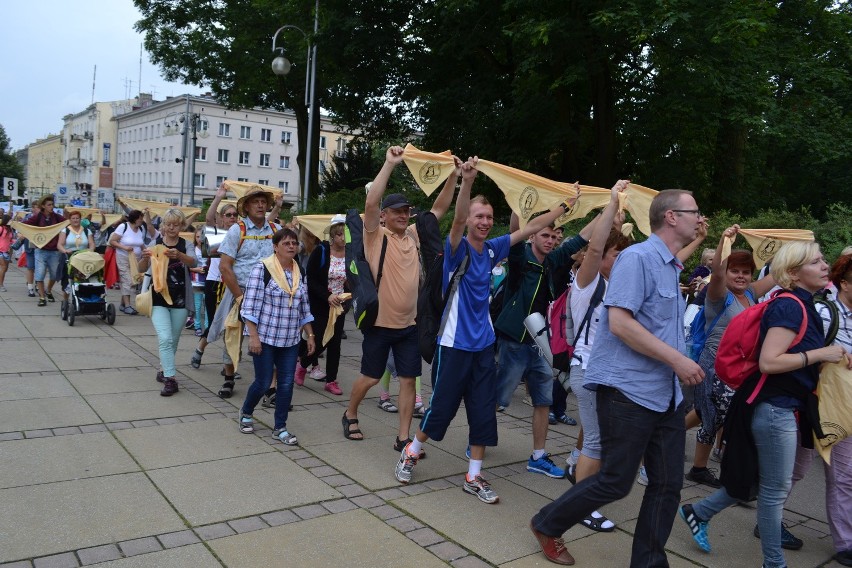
(9, 165)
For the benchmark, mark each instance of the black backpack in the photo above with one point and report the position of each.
(365, 292)
(431, 302)
(822, 297)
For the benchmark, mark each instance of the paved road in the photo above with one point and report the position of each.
(97, 469)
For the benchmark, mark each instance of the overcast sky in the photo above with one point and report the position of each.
(50, 49)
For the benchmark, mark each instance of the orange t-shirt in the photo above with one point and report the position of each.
(400, 275)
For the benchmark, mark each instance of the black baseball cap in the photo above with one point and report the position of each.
(395, 201)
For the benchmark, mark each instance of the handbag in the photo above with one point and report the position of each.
(145, 300)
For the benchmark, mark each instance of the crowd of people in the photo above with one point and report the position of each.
(639, 388)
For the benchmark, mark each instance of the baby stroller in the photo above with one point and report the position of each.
(86, 289)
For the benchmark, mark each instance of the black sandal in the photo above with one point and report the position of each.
(196, 359)
(400, 444)
(347, 433)
(227, 389)
(596, 523)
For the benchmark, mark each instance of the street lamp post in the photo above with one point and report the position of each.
(281, 66)
(184, 123)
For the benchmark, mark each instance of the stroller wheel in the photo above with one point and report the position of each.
(70, 315)
(63, 310)
(110, 314)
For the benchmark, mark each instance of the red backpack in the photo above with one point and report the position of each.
(739, 349)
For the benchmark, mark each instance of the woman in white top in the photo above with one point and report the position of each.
(129, 237)
(603, 249)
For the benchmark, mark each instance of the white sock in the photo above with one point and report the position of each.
(537, 454)
(474, 468)
(414, 447)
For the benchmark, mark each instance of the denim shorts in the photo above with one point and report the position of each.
(380, 341)
(522, 360)
(48, 263)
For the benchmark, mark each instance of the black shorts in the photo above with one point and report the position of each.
(379, 341)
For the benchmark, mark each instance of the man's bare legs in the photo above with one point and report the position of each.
(360, 388)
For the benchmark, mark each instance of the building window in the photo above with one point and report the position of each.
(201, 153)
(222, 156)
(285, 136)
(285, 185)
(245, 132)
(244, 158)
(284, 162)
(199, 180)
(322, 142)
(266, 135)
(341, 146)
(220, 180)
(263, 181)
(224, 129)
(202, 125)
(243, 179)
(264, 161)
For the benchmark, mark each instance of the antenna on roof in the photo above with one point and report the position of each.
(94, 75)
(140, 69)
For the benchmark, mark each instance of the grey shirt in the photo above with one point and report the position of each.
(711, 310)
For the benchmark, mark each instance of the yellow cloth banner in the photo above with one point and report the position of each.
(159, 268)
(239, 188)
(277, 271)
(316, 224)
(87, 262)
(135, 276)
(38, 236)
(528, 193)
(233, 332)
(637, 199)
(159, 208)
(766, 242)
(834, 391)
(110, 218)
(333, 313)
(428, 169)
(225, 202)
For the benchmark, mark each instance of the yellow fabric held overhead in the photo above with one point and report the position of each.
(239, 188)
(277, 271)
(95, 213)
(159, 267)
(38, 236)
(765, 242)
(159, 208)
(428, 169)
(233, 332)
(316, 224)
(334, 313)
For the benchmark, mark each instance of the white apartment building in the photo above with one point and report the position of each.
(89, 146)
(153, 158)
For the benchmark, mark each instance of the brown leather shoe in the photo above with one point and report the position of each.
(553, 548)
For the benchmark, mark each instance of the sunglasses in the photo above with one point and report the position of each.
(230, 215)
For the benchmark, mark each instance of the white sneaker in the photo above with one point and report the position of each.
(643, 476)
(317, 373)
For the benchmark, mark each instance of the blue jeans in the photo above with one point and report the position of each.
(48, 263)
(168, 323)
(516, 361)
(629, 433)
(283, 360)
(775, 435)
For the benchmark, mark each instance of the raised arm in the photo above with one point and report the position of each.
(592, 261)
(717, 289)
(445, 198)
(210, 218)
(543, 221)
(276, 209)
(468, 173)
(372, 206)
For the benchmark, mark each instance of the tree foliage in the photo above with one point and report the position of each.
(747, 103)
(9, 165)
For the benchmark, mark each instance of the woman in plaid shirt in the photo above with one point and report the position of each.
(276, 312)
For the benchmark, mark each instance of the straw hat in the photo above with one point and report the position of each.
(254, 191)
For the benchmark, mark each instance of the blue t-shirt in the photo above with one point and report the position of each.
(786, 313)
(468, 325)
(644, 281)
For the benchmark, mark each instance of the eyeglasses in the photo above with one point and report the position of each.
(696, 212)
(289, 243)
(230, 214)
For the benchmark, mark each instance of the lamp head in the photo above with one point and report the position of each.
(281, 65)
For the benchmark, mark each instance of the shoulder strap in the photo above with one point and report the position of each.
(381, 261)
(455, 279)
(834, 318)
(729, 299)
(597, 298)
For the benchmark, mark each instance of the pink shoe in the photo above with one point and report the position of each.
(299, 376)
(333, 388)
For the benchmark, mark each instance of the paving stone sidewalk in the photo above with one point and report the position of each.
(97, 469)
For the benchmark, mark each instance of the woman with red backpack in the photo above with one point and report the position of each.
(766, 427)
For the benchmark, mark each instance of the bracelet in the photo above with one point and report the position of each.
(565, 206)
(310, 335)
(804, 359)
(805, 354)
